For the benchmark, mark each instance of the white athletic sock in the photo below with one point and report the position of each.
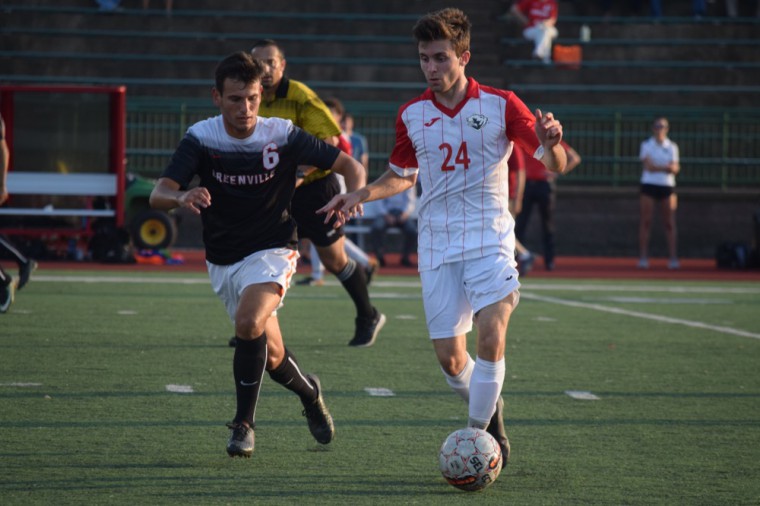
(485, 388)
(461, 382)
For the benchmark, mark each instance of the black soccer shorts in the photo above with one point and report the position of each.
(307, 199)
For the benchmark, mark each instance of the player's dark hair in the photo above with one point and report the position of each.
(446, 24)
(269, 43)
(334, 103)
(239, 66)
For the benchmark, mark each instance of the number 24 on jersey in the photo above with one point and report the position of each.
(462, 157)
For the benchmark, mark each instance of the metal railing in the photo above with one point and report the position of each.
(719, 148)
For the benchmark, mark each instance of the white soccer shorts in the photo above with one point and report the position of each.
(454, 292)
(271, 265)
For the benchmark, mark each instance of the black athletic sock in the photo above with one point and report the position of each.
(289, 375)
(248, 366)
(355, 282)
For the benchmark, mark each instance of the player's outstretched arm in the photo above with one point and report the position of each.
(347, 205)
(167, 195)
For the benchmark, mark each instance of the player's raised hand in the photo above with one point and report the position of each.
(548, 129)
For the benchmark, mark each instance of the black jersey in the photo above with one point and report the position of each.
(251, 182)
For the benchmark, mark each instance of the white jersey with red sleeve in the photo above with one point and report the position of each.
(460, 156)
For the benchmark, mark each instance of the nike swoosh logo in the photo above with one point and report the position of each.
(431, 122)
(508, 278)
(243, 383)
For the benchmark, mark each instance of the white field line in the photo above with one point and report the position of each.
(200, 280)
(638, 314)
(525, 292)
(415, 283)
(629, 286)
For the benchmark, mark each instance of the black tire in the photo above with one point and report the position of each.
(153, 230)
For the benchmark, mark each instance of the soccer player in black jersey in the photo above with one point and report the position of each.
(247, 169)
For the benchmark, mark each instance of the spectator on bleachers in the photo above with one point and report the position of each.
(660, 158)
(539, 18)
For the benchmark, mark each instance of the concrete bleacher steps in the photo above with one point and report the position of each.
(727, 50)
(364, 51)
(674, 61)
(358, 51)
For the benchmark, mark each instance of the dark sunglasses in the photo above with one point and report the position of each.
(658, 126)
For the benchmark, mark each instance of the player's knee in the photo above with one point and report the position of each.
(449, 368)
(334, 257)
(248, 327)
(452, 365)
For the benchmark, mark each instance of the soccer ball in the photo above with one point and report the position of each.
(470, 459)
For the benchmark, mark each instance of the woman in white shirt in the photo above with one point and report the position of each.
(659, 156)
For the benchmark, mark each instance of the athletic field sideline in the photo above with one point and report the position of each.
(115, 386)
(572, 267)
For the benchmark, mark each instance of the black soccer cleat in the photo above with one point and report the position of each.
(367, 329)
(25, 271)
(242, 440)
(318, 417)
(496, 429)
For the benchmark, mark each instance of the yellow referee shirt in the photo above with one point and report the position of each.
(298, 103)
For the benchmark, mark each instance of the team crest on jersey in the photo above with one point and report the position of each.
(477, 121)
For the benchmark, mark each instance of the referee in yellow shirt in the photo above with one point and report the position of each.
(293, 100)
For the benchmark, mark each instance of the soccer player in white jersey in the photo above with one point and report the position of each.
(456, 138)
(247, 168)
